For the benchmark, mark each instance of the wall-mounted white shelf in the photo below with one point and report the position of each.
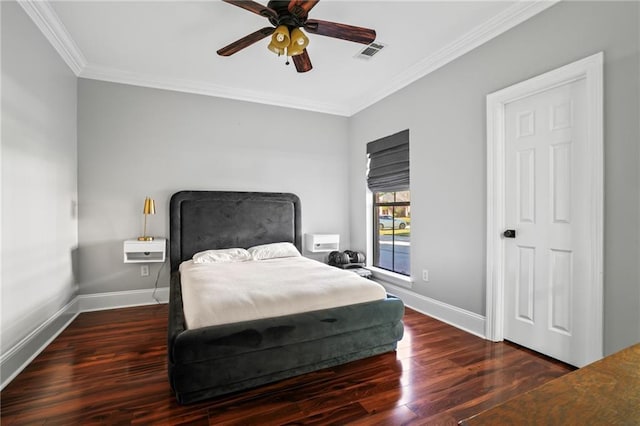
(145, 251)
(317, 243)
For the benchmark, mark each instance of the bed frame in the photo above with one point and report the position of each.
(211, 361)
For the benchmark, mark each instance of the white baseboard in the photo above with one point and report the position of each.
(452, 315)
(18, 357)
(121, 299)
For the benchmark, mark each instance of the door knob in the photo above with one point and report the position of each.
(509, 233)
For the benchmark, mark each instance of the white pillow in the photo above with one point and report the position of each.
(222, 255)
(274, 250)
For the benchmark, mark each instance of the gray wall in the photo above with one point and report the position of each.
(445, 112)
(135, 142)
(39, 177)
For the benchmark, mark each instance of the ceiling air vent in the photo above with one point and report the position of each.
(369, 51)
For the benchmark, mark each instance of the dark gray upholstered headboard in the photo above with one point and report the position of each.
(204, 220)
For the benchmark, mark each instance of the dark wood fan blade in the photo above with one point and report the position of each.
(302, 61)
(301, 8)
(342, 31)
(254, 7)
(246, 41)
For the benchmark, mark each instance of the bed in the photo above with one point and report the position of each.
(212, 360)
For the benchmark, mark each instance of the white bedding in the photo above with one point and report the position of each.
(222, 293)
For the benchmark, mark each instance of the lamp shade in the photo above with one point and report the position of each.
(149, 206)
(280, 37)
(277, 50)
(299, 41)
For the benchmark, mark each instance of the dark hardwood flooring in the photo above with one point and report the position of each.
(109, 367)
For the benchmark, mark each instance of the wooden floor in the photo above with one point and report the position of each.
(109, 367)
(605, 392)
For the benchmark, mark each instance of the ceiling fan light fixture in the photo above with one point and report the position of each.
(299, 41)
(280, 37)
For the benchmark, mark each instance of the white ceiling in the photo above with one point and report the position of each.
(172, 45)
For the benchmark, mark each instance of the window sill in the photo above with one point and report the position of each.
(391, 277)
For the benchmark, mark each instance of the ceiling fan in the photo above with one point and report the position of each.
(287, 18)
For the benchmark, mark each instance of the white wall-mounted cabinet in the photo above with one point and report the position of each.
(317, 243)
(145, 251)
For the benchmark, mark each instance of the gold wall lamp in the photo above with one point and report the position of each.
(149, 208)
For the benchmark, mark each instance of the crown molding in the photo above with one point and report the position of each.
(481, 34)
(46, 19)
(209, 89)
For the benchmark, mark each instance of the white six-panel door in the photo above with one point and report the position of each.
(545, 182)
(546, 204)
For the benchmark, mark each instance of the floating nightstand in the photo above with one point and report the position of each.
(318, 243)
(145, 251)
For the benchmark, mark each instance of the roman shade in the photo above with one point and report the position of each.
(389, 163)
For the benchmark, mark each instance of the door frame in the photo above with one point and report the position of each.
(590, 69)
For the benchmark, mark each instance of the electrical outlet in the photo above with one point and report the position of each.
(144, 270)
(425, 275)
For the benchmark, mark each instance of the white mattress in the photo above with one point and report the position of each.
(223, 293)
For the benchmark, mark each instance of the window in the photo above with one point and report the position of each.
(388, 180)
(392, 233)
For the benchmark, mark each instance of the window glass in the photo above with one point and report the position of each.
(392, 231)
